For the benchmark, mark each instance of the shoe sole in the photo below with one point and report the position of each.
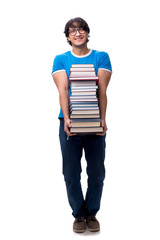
(79, 231)
(94, 230)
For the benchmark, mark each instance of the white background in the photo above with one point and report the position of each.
(33, 202)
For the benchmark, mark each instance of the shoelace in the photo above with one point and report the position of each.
(79, 220)
(92, 219)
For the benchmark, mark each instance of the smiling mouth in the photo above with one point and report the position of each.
(78, 38)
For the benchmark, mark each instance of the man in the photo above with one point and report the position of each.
(84, 208)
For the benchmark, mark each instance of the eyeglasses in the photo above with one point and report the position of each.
(74, 31)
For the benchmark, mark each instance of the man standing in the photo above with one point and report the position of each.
(84, 209)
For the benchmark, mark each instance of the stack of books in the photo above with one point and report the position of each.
(84, 107)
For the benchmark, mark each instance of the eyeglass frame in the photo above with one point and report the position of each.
(77, 29)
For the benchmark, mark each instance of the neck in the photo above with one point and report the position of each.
(80, 51)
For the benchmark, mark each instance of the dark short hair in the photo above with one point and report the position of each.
(81, 24)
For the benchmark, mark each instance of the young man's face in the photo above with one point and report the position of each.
(79, 37)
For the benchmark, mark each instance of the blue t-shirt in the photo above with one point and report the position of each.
(63, 62)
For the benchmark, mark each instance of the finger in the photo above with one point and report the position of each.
(67, 130)
(69, 133)
(103, 133)
(100, 134)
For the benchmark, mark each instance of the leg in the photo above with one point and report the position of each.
(94, 147)
(71, 154)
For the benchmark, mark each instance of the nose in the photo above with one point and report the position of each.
(77, 33)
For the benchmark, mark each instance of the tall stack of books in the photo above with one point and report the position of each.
(84, 107)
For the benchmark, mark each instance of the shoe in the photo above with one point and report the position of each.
(93, 224)
(79, 225)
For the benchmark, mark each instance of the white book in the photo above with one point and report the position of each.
(84, 87)
(83, 90)
(83, 100)
(83, 97)
(83, 83)
(82, 65)
(82, 105)
(78, 69)
(83, 93)
(84, 108)
(84, 74)
(83, 78)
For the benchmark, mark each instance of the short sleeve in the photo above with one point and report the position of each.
(104, 62)
(58, 64)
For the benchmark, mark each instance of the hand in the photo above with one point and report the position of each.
(104, 125)
(67, 125)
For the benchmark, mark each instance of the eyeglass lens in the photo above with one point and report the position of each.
(74, 31)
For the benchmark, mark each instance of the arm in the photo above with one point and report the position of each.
(61, 81)
(104, 78)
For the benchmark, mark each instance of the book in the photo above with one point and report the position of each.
(82, 93)
(79, 69)
(85, 122)
(82, 65)
(84, 78)
(84, 116)
(84, 87)
(82, 105)
(82, 130)
(84, 108)
(82, 74)
(86, 111)
(83, 83)
(83, 97)
(83, 100)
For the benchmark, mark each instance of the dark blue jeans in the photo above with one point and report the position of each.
(94, 149)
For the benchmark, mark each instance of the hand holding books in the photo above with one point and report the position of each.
(104, 125)
(67, 126)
